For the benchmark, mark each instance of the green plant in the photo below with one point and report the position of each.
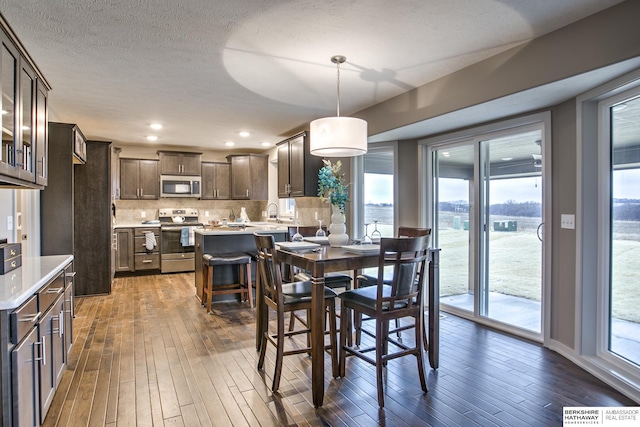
(331, 185)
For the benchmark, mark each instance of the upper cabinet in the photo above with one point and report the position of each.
(23, 156)
(297, 168)
(179, 163)
(249, 176)
(216, 179)
(139, 179)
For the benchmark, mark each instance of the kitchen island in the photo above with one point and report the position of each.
(224, 240)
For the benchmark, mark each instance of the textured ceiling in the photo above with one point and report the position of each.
(209, 69)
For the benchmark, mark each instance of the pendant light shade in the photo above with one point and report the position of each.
(338, 136)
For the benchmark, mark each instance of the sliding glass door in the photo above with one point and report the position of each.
(487, 210)
(623, 316)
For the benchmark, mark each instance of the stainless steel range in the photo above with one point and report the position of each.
(177, 252)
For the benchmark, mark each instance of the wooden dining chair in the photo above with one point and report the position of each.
(364, 280)
(283, 298)
(333, 280)
(399, 298)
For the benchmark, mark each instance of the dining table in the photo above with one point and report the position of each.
(326, 259)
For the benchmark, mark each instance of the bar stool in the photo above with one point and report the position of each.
(243, 287)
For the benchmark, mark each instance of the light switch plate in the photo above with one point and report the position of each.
(568, 221)
(143, 214)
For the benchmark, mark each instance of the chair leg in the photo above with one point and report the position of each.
(333, 339)
(249, 285)
(209, 288)
(292, 321)
(279, 351)
(380, 350)
(357, 324)
(344, 330)
(398, 333)
(205, 278)
(419, 353)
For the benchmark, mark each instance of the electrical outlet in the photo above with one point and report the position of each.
(315, 214)
(143, 214)
(206, 213)
(568, 221)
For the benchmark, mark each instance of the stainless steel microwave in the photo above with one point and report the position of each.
(180, 186)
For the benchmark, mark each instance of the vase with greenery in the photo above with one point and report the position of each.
(333, 189)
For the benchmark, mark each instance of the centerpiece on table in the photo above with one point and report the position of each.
(332, 189)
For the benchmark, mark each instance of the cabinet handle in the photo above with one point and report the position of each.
(72, 274)
(33, 318)
(13, 263)
(13, 252)
(70, 301)
(43, 350)
(61, 322)
(147, 261)
(247, 192)
(54, 291)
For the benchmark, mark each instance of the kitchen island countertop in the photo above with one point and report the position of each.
(18, 285)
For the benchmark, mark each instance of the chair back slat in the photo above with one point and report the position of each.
(269, 267)
(407, 257)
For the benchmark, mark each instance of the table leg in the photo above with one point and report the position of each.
(259, 300)
(317, 335)
(434, 308)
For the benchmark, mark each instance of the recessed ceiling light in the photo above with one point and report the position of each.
(266, 144)
(156, 126)
(506, 159)
(152, 138)
(229, 143)
(244, 134)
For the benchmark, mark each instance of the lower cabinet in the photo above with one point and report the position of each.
(40, 331)
(132, 253)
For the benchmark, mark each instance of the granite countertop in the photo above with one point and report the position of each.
(18, 285)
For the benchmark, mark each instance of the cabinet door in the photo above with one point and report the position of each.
(170, 163)
(9, 60)
(296, 167)
(41, 152)
(51, 362)
(129, 174)
(25, 151)
(258, 177)
(124, 249)
(240, 177)
(222, 176)
(69, 310)
(24, 374)
(149, 180)
(208, 181)
(283, 170)
(191, 164)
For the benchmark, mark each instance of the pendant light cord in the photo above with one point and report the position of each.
(338, 89)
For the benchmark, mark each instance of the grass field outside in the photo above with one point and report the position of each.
(516, 262)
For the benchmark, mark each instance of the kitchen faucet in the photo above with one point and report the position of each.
(277, 216)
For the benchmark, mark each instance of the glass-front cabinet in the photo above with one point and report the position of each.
(23, 158)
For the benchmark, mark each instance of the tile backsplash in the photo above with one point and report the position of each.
(130, 211)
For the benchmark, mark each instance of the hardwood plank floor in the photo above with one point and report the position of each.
(149, 355)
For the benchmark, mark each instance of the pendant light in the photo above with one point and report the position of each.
(338, 136)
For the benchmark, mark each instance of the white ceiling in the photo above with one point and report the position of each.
(209, 69)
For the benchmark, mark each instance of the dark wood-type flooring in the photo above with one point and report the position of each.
(148, 354)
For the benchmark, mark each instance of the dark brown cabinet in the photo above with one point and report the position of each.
(23, 155)
(249, 176)
(179, 163)
(139, 179)
(216, 179)
(124, 249)
(297, 168)
(75, 209)
(131, 251)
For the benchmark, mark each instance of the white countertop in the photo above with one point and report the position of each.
(250, 229)
(18, 285)
(136, 225)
